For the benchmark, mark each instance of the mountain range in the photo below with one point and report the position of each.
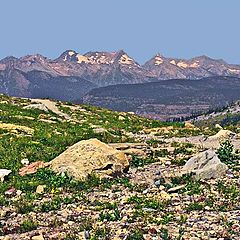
(73, 76)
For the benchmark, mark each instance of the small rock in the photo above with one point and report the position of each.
(38, 237)
(11, 192)
(121, 118)
(18, 192)
(3, 213)
(157, 183)
(81, 235)
(40, 189)
(145, 191)
(175, 189)
(87, 235)
(32, 168)
(25, 161)
(218, 126)
(164, 195)
(161, 187)
(70, 223)
(4, 173)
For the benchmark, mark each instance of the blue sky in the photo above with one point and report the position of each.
(175, 28)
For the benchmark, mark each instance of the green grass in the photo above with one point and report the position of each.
(49, 140)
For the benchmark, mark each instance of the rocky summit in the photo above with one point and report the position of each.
(82, 172)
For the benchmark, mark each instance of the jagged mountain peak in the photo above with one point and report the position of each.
(7, 62)
(98, 57)
(109, 58)
(68, 55)
(35, 58)
(123, 58)
(159, 59)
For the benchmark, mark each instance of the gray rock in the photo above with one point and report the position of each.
(157, 183)
(205, 165)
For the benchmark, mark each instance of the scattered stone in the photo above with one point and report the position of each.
(47, 121)
(158, 183)
(99, 130)
(161, 187)
(90, 156)
(168, 163)
(134, 151)
(18, 192)
(176, 189)
(40, 189)
(164, 195)
(121, 118)
(11, 192)
(218, 126)
(205, 165)
(32, 168)
(189, 125)
(25, 161)
(4, 173)
(38, 237)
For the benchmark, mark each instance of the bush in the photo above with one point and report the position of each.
(27, 226)
(226, 152)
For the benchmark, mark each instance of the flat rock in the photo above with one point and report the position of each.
(39, 106)
(90, 156)
(16, 128)
(32, 168)
(175, 189)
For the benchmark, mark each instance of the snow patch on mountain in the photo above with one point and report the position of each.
(158, 60)
(182, 64)
(81, 58)
(234, 70)
(125, 59)
(173, 62)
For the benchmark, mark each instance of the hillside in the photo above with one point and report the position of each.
(168, 99)
(153, 198)
(38, 84)
(229, 115)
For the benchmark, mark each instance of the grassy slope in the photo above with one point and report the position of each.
(50, 139)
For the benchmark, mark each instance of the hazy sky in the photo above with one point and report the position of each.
(175, 28)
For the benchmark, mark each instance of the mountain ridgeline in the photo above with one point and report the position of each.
(117, 81)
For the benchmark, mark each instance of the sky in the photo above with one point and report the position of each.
(142, 28)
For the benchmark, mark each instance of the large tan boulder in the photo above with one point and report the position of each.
(222, 134)
(215, 140)
(90, 156)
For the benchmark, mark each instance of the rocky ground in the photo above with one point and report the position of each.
(145, 194)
